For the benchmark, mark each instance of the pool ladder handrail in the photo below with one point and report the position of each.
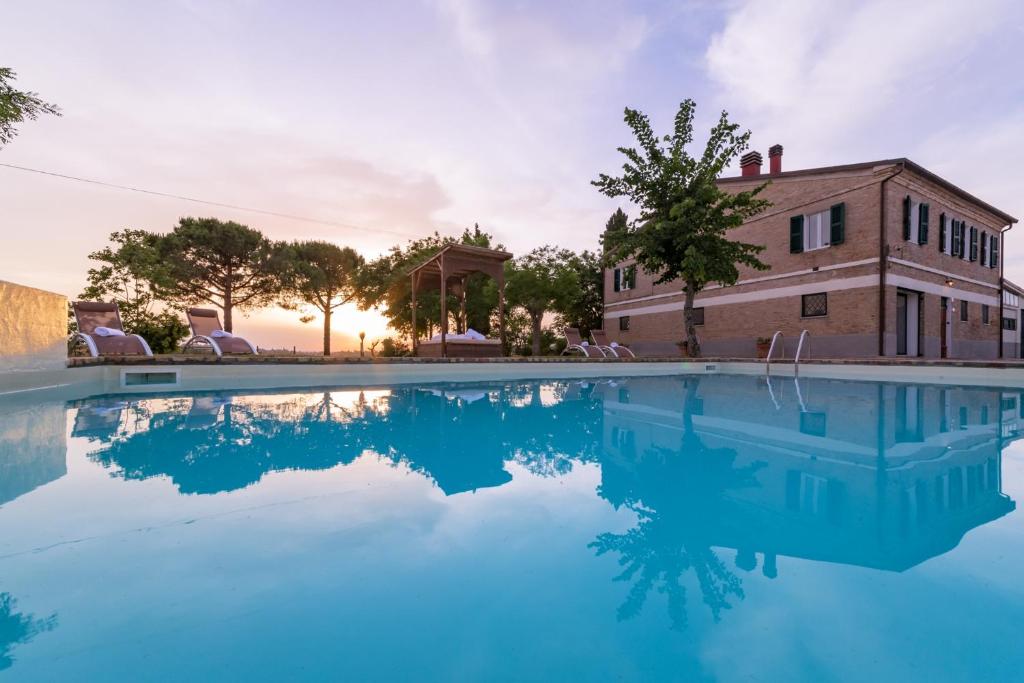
(800, 347)
(768, 358)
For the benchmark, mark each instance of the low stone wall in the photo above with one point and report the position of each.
(33, 329)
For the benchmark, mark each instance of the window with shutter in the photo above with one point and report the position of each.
(618, 280)
(629, 278)
(838, 224)
(922, 224)
(993, 252)
(974, 244)
(942, 233)
(796, 234)
(906, 217)
(984, 248)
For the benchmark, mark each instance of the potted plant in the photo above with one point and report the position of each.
(763, 346)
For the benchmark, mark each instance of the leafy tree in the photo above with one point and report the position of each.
(681, 232)
(229, 265)
(324, 276)
(618, 222)
(544, 280)
(17, 106)
(385, 285)
(585, 306)
(517, 332)
(125, 275)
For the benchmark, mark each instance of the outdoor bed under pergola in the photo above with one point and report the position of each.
(447, 270)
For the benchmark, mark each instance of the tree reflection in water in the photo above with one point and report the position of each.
(17, 628)
(677, 494)
(460, 437)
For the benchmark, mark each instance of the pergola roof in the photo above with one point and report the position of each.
(460, 260)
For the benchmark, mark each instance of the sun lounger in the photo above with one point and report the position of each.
(575, 343)
(100, 329)
(206, 329)
(600, 338)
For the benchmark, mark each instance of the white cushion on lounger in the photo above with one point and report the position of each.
(615, 345)
(221, 333)
(108, 332)
(586, 343)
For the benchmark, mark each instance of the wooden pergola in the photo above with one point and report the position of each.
(450, 267)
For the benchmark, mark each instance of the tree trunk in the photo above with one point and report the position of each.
(327, 332)
(692, 344)
(535, 321)
(227, 310)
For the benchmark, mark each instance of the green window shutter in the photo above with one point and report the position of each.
(837, 233)
(942, 232)
(974, 244)
(631, 277)
(922, 224)
(984, 248)
(618, 280)
(796, 234)
(906, 217)
(993, 255)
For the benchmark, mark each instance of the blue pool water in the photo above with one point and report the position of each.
(647, 529)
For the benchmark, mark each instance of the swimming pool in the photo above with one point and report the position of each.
(693, 528)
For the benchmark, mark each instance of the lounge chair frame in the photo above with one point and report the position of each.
(574, 342)
(600, 339)
(208, 339)
(88, 340)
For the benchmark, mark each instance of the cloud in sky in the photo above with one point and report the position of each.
(411, 117)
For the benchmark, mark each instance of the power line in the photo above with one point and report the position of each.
(337, 224)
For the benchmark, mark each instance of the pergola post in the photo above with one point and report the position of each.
(415, 277)
(501, 308)
(444, 310)
(462, 307)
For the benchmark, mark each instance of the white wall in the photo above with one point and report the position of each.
(33, 329)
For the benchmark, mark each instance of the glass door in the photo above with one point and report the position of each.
(901, 324)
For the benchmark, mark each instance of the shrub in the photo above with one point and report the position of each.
(164, 332)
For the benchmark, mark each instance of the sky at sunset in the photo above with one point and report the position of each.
(396, 119)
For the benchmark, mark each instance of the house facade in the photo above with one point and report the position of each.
(879, 258)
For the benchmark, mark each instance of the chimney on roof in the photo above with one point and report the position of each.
(750, 163)
(775, 159)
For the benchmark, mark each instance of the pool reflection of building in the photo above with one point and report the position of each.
(875, 475)
(32, 449)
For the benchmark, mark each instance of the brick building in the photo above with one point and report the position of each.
(875, 258)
